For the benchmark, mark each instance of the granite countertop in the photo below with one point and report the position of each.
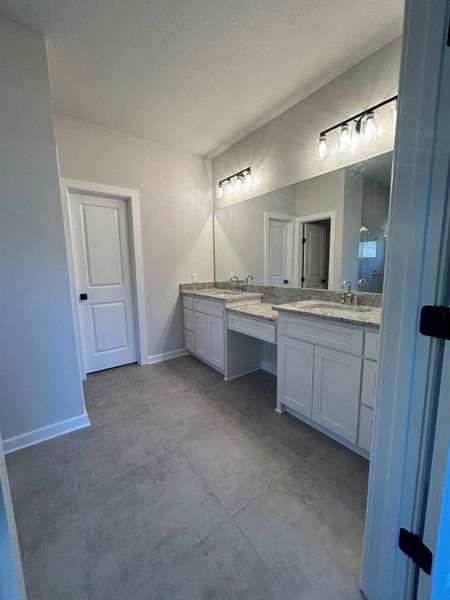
(227, 295)
(262, 312)
(365, 316)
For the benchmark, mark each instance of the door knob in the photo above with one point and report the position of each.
(83, 296)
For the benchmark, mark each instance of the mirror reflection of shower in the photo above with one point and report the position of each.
(373, 235)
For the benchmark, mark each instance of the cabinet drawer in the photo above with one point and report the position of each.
(365, 428)
(369, 383)
(372, 345)
(189, 340)
(209, 307)
(253, 327)
(188, 319)
(188, 302)
(338, 337)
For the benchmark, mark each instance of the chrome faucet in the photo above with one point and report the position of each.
(249, 280)
(234, 279)
(346, 296)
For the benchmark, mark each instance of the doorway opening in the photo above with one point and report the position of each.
(315, 254)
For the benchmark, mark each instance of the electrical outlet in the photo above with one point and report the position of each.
(194, 277)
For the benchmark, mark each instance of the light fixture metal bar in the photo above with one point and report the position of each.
(241, 172)
(358, 115)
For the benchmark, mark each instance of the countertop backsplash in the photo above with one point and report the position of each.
(277, 295)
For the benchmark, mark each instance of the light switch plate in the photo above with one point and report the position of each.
(194, 277)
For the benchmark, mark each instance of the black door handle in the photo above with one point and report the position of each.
(83, 296)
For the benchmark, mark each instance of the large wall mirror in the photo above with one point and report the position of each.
(315, 234)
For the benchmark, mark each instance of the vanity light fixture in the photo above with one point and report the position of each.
(369, 127)
(345, 138)
(322, 149)
(365, 125)
(220, 190)
(234, 184)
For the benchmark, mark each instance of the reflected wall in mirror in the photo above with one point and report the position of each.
(316, 233)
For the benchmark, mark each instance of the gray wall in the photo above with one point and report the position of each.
(283, 151)
(176, 212)
(39, 376)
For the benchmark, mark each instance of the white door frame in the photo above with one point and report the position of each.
(136, 256)
(298, 247)
(413, 278)
(268, 216)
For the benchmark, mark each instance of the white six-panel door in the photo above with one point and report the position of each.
(99, 230)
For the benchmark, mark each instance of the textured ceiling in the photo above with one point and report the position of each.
(199, 74)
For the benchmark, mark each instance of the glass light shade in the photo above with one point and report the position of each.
(230, 187)
(248, 178)
(322, 148)
(238, 183)
(369, 128)
(393, 116)
(220, 191)
(345, 138)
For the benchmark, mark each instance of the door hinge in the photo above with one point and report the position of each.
(303, 240)
(412, 546)
(448, 34)
(302, 280)
(435, 322)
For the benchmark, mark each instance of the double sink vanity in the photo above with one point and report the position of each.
(326, 353)
(300, 250)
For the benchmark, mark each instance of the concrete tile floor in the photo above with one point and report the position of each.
(187, 487)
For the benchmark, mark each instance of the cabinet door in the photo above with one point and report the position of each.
(202, 335)
(295, 370)
(216, 353)
(336, 388)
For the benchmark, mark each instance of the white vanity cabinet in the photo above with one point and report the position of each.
(204, 330)
(295, 375)
(325, 377)
(336, 386)
(209, 339)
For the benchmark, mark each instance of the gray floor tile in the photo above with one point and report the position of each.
(188, 415)
(310, 532)
(54, 555)
(235, 464)
(42, 476)
(107, 451)
(141, 521)
(222, 567)
(141, 500)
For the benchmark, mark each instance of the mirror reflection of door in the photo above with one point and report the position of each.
(315, 254)
(279, 250)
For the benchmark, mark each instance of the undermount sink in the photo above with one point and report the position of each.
(342, 307)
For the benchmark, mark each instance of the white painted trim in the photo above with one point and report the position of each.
(45, 433)
(132, 196)
(414, 275)
(268, 216)
(157, 358)
(333, 279)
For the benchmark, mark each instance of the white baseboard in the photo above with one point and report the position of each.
(157, 358)
(45, 433)
(269, 367)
